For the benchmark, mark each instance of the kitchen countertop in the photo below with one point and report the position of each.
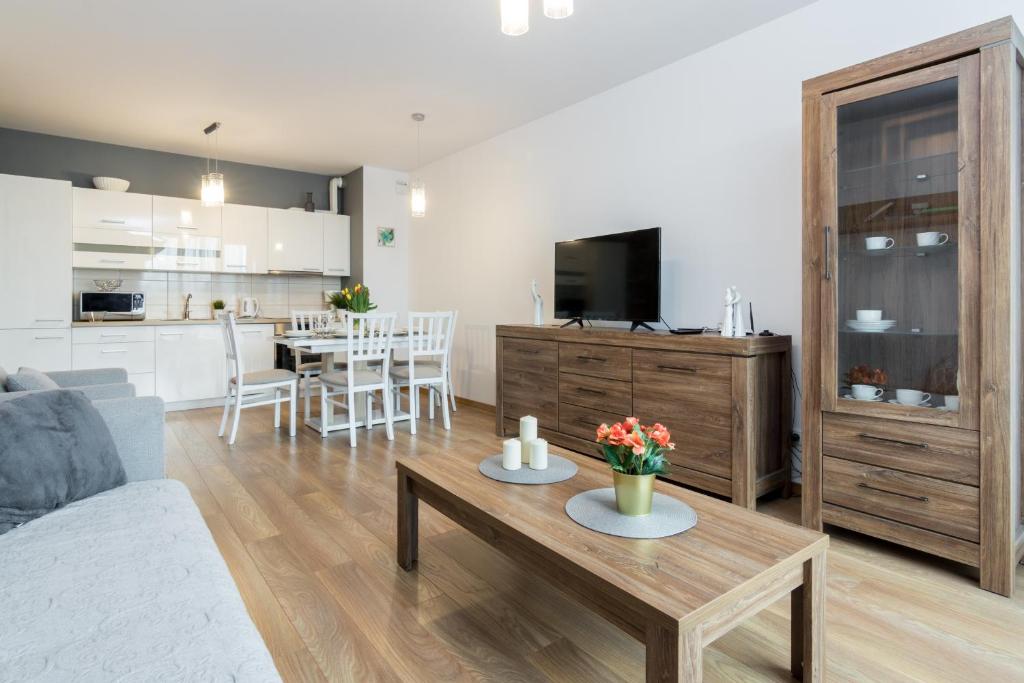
(153, 322)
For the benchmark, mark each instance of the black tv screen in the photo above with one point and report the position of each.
(610, 277)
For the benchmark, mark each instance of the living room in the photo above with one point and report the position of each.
(519, 340)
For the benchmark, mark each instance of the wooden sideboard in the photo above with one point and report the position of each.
(726, 401)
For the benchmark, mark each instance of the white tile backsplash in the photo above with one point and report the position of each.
(165, 292)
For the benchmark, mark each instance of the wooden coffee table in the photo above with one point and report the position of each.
(677, 594)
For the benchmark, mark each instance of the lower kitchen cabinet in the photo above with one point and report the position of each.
(42, 349)
(189, 362)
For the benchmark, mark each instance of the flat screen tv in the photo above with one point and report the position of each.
(609, 277)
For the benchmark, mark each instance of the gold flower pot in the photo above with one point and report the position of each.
(633, 493)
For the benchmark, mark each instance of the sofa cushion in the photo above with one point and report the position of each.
(55, 449)
(28, 379)
(127, 585)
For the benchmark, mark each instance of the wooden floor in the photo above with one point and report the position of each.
(307, 528)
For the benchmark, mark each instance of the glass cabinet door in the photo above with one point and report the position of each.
(901, 253)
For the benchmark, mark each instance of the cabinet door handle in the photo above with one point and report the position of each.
(250, 332)
(48, 338)
(114, 334)
(678, 368)
(113, 350)
(585, 390)
(923, 499)
(898, 442)
(114, 221)
(112, 260)
(313, 270)
(187, 227)
(49, 320)
(171, 334)
(592, 358)
(828, 253)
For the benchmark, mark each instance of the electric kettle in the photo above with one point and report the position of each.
(250, 307)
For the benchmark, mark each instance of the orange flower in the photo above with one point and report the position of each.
(603, 431)
(659, 434)
(617, 435)
(631, 422)
(635, 440)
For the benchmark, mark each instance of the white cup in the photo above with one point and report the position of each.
(866, 392)
(931, 239)
(880, 242)
(912, 397)
(869, 315)
(953, 402)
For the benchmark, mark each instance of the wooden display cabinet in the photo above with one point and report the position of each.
(912, 296)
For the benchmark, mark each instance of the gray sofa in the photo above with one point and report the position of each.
(126, 585)
(95, 384)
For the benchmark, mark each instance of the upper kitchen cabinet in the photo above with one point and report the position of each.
(186, 235)
(35, 252)
(296, 241)
(112, 229)
(245, 239)
(337, 253)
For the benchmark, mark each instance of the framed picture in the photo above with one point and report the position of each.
(385, 237)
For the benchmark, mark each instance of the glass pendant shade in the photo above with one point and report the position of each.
(515, 17)
(418, 199)
(557, 9)
(212, 193)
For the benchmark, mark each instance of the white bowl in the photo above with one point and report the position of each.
(110, 184)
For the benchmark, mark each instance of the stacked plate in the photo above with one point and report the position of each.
(872, 326)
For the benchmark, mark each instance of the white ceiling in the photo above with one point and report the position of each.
(329, 85)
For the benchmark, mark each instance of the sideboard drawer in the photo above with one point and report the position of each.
(610, 362)
(929, 450)
(529, 355)
(583, 422)
(942, 506)
(529, 380)
(608, 395)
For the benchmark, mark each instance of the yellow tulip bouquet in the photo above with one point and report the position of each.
(356, 300)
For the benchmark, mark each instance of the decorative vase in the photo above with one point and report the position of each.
(309, 202)
(634, 493)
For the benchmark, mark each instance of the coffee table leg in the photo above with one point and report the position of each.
(674, 656)
(408, 522)
(808, 622)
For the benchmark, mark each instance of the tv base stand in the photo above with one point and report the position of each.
(574, 321)
(638, 324)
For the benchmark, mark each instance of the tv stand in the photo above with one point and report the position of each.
(640, 323)
(574, 321)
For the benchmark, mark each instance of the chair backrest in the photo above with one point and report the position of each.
(232, 344)
(430, 335)
(369, 337)
(309, 320)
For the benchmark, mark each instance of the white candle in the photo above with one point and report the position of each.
(538, 454)
(527, 433)
(511, 454)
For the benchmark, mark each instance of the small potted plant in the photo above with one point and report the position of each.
(636, 454)
(356, 300)
(218, 308)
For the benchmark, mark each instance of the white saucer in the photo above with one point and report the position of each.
(298, 333)
(850, 397)
(922, 404)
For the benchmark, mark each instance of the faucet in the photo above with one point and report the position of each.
(188, 300)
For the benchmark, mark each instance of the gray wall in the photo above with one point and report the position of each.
(150, 172)
(353, 197)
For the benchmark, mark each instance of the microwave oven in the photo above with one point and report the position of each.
(116, 305)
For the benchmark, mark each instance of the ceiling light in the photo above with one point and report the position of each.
(212, 192)
(417, 191)
(515, 17)
(557, 9)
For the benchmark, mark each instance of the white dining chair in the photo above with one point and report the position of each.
(429, 350)
(308, 370)
(368, 361)
(251, 389)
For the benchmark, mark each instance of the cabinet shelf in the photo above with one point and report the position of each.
(898, 333)
(901, 252)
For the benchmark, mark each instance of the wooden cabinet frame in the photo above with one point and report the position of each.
(988, 60)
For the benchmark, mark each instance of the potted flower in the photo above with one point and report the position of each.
(636, 454)
(356, 300)
(218, 308)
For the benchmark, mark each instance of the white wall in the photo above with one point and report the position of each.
(707, 147)
(386, 269)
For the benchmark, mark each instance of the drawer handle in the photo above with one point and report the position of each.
(187, 227)
(898, 442)
(112, 260)
(530, 352)
(251, 332)
(113, 221)
(678, 368)
(591, 358)
(584, 390)
(171, 334)
(113, 334)
(47, 338)
(113, 350)
(923, 499)
(49, 320)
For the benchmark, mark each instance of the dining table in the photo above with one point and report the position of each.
(336, 342)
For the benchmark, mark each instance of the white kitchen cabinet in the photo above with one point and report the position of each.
(257, 345)
(186, 235)
(113, 218)
(245, 239)
(190, 362)
(117, 346)
(35, 253)
(42, 349)
(296, 241)
(337, 245)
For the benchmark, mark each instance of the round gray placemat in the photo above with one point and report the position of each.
(596, 511)
(559, 469)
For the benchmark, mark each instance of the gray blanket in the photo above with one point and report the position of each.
(55, 448)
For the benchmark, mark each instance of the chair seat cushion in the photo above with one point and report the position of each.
(266, 377)
(361, 377)
(428, 370)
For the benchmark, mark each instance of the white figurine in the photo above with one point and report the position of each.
(729, 321)
(538, 305)
(739, 326)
